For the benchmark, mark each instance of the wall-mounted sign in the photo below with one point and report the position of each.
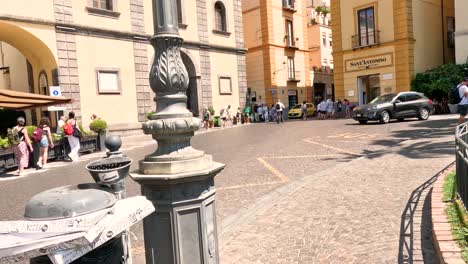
(292, 92)
(351, 93)
(55, 91)
(369, 62)
(387, 76)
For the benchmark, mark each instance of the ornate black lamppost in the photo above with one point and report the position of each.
(177, 178)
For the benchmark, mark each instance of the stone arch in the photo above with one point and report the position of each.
(194, 88)
(40, 60)
(34, 49)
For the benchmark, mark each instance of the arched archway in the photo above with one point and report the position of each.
(194, 89)
(30, 64)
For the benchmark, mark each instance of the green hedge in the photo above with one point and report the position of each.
(439, 81)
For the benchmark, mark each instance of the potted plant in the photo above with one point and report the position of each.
(212, 112)
(99, 126)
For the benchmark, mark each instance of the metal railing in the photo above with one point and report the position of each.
(363, 40)
(288, 4)
(461, 145)
(294, 76)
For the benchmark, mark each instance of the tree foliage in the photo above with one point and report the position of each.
(439, 80)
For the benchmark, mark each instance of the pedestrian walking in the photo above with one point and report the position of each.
(339, 108)
(206, 118)
(260, 112)
(272, 115)
(45, 141)
(304, 110)
(463, 104)
(60, 124)
(255, 112)
(265, 113)
(73, 136)
(20, 135)
(347, 108)
(330, 109)
(247, 114)
(279, 111)
(226, 115)
(322, 109)
(239, 116)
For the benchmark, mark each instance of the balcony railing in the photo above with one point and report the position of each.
(290, 43)
(289, 5)
(364, 40)
(294, 76)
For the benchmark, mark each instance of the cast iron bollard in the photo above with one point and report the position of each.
(177, 178)
(87, 222)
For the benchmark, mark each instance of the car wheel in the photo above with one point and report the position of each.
(362, 122)
(423, 113)
(401, 119)
(384, 117)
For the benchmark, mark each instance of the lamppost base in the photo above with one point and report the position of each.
(183, 228)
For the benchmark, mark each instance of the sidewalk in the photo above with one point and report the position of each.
(351, 213)
(128, 143)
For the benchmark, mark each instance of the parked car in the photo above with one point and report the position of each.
(296, 111)
(394, 106)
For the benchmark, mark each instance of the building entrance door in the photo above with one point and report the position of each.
(368, 88)
(292, 98)
(319, 92)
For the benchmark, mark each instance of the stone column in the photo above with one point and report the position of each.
(177, 178)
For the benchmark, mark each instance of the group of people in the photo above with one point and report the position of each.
(330, 109)
(41, 140)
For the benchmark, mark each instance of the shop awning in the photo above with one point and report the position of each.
(20, 100)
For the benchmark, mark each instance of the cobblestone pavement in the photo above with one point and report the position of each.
(298, 192)
(368, 210)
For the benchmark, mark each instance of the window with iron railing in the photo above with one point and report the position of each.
(289, 34)
(291, 69)
(367, 34)
(288, 4)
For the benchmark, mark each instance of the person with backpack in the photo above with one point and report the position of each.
(21, 148)
(279, 107)
(44, 138)
(462, 99)
(73, 133)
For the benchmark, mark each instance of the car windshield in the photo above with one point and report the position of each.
(383, 99)
(297, 107)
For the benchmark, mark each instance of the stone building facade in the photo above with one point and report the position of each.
(98, 52)
(320, 46)
(379, 46)
(278, 52)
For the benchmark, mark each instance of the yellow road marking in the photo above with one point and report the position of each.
(331, 147)
(301, 157)
(276, 172)
(249, 185)
(355, 135)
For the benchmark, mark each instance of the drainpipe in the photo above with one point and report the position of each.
(443, 31)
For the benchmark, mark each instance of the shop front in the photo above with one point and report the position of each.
(367, 77)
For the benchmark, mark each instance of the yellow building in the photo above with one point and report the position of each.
(320, 47)
(275, 35)
(378, 46)
(98, 53)
(461, 33)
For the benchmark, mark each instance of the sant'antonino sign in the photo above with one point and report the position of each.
(376, 61)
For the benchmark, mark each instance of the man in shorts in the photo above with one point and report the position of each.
(463, 105)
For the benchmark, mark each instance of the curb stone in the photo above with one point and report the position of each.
(447, 249)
